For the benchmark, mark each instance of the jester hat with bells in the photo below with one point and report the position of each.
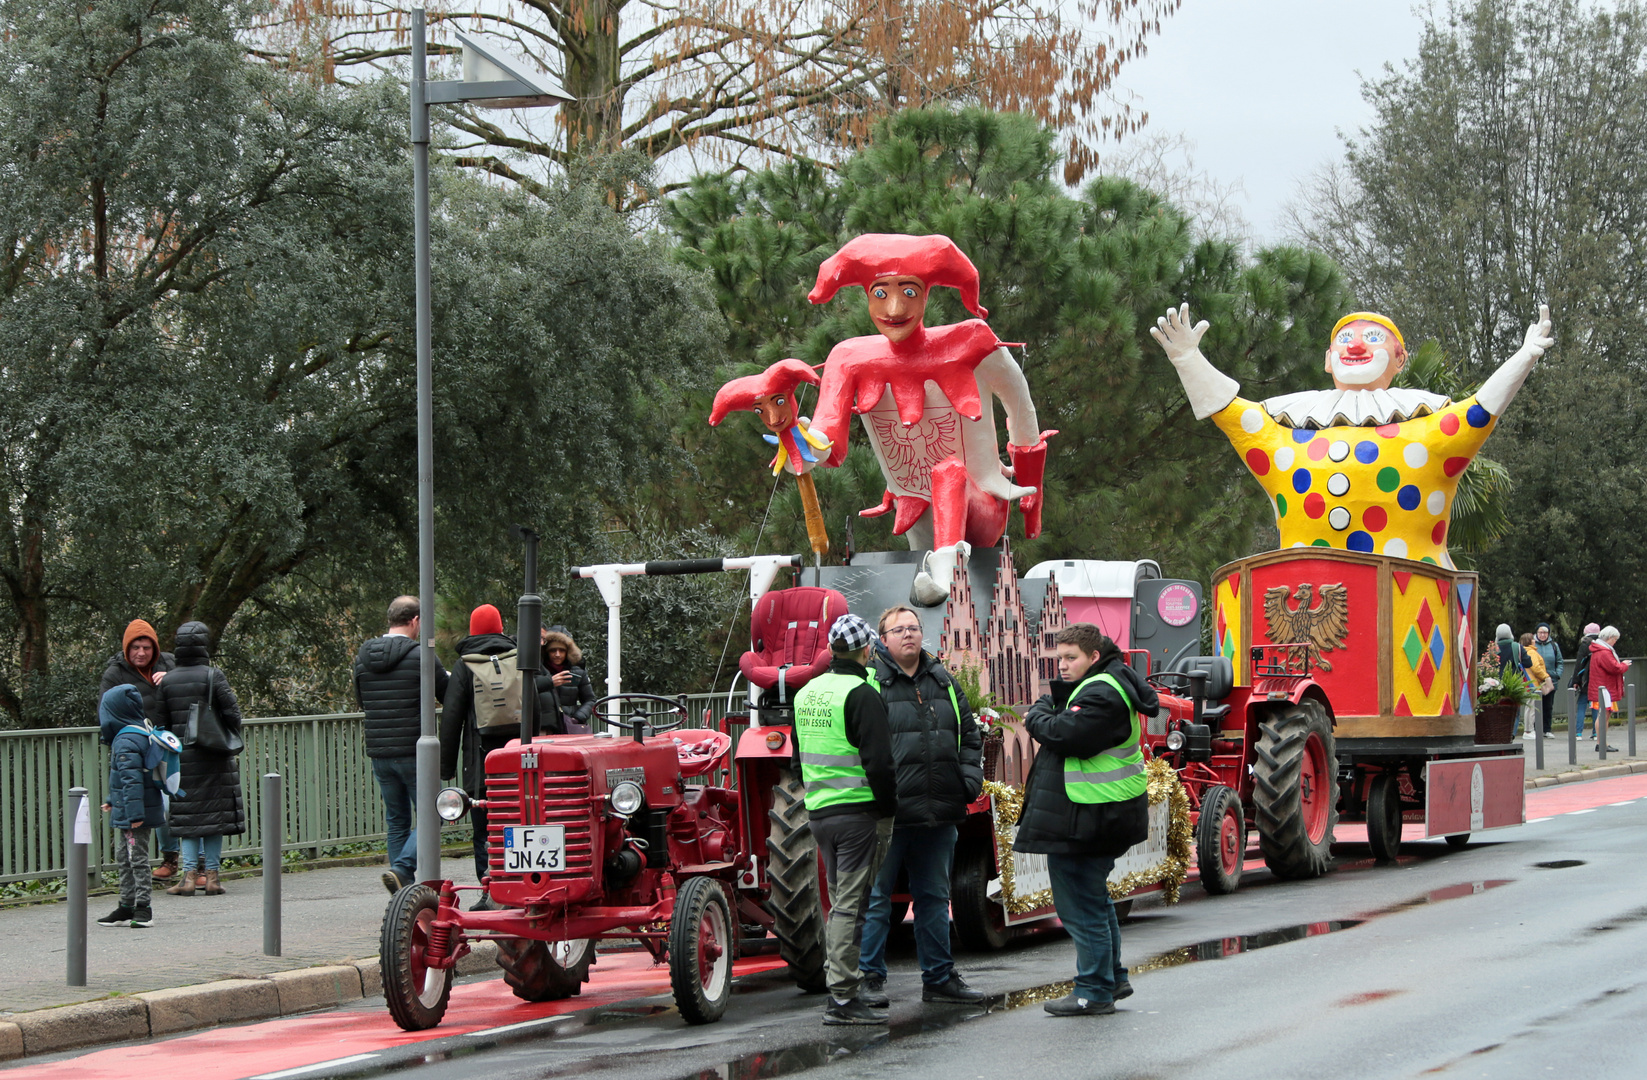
(867, 259)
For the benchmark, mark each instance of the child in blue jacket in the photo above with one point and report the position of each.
(134, 805)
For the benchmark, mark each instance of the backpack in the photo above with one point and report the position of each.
(1581, 674)
(162, 757)
(496, 686)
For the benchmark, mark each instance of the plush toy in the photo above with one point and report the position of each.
(926, 396)
(1363, 466)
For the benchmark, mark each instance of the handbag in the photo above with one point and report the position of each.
(206, 730)
(1547, 686)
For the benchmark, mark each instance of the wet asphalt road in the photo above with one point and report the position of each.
(1468, 963)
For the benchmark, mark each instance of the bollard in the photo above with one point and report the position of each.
(1630, 707)
(272, 864)
(78, 835)
(1572, 729)
(1538, 741)
(1601, 730)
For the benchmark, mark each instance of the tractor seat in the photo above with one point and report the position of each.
(700, 749)
(789, 635)
(1220, 674)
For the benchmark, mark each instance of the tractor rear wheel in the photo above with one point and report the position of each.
(1295, 791)
(701, 948)
(1384, 816)
(415, 992)
(1220, 841)
(792, 871)
(545, 970)
(980, 923)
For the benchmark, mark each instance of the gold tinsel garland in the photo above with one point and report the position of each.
(1169, 873)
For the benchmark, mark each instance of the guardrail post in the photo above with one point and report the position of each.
(77, 833)
(272, 863)
(1572, 728)
(1538, 739)
(1630, 707)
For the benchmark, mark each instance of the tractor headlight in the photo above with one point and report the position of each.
(1175, 739)
(627, 797)
(451, 804)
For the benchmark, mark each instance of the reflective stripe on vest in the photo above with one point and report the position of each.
(831, 767)
(1116, 774)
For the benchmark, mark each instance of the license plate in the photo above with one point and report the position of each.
(528, 848)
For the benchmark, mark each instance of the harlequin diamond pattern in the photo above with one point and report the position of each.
(1413, 646)
(1425, 620)
(1426, 674)
(1438, 646)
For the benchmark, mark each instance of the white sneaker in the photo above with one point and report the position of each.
(1529, 735)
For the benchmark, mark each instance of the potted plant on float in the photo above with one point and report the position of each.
(1499, 696)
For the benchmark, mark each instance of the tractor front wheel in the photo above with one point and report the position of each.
(701, 947)
(545, 970)
(792, 871)
(415, 992)
(1295, 790)
(980, 923)
(1384, 816)
(1220, 841)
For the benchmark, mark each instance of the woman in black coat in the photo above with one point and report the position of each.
(212, 806)
(566, 699)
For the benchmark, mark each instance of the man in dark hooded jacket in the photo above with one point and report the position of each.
(388, 685)
(134, 805)
(1085, 803)
(460, 736)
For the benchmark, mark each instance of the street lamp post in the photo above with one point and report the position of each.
(494, 81)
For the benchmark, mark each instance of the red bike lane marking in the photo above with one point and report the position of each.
(231, 1053)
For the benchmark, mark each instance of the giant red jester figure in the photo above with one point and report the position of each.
(921, 392)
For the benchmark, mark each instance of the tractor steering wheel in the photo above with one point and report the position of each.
(641, 722)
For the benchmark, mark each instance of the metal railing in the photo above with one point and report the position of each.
(330, 795)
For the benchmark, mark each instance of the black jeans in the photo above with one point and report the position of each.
(1549, 709)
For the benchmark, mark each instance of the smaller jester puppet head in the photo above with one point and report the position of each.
(771, 394)
(1365, 352)
(898, 272)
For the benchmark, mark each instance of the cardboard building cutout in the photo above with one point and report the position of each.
(1364, 466)
(926, 396)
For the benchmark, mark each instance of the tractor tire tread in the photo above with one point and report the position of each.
(796, 903)
(1277, 795)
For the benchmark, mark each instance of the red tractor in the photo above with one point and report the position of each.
(594, 837)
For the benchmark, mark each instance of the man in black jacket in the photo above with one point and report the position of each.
(1085, 803)
(388, 677)
(459, 731)
(939, 753)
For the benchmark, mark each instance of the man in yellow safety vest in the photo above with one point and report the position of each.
(1086, 803)
(845, 749)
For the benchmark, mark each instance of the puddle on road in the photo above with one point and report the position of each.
(1559, 864)
(843, 1043)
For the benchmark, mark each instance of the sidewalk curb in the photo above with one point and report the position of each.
(189, 1008)
(1602, 773)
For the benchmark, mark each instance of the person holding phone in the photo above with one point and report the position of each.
(566, 698)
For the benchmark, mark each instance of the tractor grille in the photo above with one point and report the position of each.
(565, 801)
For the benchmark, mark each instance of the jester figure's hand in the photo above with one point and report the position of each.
(1176, 335)
(1501, 385)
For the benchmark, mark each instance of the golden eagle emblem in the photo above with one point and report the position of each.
(1323, 628)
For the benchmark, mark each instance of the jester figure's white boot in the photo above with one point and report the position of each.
(937, 574)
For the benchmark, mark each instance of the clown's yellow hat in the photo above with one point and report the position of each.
(1369, 316)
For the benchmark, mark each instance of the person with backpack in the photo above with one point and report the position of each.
(135, 804)
(480, 713)
(566, 698)
(1581, 676)
(1549, 649)
(211, 804)
(388, 677)
(140, 663)
(1086, 802)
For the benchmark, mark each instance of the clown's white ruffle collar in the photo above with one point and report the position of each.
(1332, 408)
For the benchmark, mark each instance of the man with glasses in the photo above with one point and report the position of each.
(938, 750)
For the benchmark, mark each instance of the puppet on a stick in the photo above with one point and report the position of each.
(771, 394)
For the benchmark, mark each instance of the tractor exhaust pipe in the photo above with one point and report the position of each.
(528, 651)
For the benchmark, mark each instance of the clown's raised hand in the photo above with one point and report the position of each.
(1176, 335)
(1207, 388)
(1501, 385)
(1538, 334)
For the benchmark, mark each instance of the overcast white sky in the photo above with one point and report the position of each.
(1261, 87)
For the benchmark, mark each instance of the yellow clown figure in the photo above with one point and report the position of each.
(1363, 466)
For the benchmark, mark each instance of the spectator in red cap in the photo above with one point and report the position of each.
(481, 713)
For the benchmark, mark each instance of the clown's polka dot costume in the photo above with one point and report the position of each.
(1386, 490)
